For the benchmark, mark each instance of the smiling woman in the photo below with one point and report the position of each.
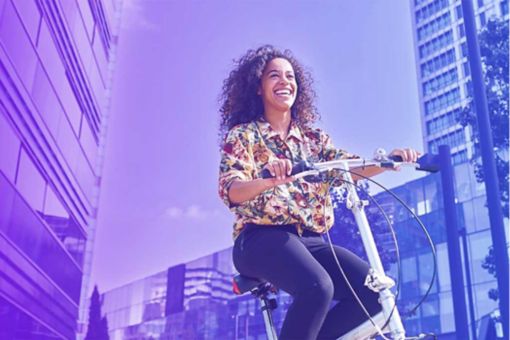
(267, 124)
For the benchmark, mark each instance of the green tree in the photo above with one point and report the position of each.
(345, 231)
(493, 40)
(98, 326)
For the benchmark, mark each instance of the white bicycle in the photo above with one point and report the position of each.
(389, 320)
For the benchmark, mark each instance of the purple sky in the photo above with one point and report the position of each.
(159, 204)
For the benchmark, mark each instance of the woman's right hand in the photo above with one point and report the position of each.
(280, 171)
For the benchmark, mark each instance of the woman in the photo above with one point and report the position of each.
(267, 123)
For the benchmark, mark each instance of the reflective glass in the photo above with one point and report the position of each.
(88, 143)
(55, 70)
(46, 101)
(17, 45)
(64, 226)
(478, 245)
(20, 324)
(9, 148)
(86, 15)
(484, 305)
(30, 16)
(30, 182)
(26, 230)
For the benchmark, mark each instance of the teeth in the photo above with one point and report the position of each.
(287, 92)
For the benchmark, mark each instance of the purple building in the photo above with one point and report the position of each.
(56, 59)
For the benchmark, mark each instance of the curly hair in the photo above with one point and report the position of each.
(240, 102)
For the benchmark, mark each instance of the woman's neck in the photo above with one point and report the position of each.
(279, 121)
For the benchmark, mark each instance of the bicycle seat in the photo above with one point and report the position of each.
(242, 284)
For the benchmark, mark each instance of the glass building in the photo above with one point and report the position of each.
(444, 85)
(55, 72)
(442, 66)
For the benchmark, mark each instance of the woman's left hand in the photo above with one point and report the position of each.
(408, 155)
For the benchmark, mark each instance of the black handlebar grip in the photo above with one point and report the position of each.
(396, 158)
(296, 169)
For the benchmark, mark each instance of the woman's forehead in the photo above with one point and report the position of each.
(279, 64)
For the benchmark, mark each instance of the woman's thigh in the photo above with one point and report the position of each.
(279, 257)
(353, 267)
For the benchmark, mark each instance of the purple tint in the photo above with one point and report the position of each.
(162, 156)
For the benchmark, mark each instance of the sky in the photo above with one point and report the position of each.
(159, 204)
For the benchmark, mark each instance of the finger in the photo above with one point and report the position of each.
(415, 155)
(270, 167)
(279, 170)
(288, 166)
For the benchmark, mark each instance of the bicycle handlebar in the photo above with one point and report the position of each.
(308, 169)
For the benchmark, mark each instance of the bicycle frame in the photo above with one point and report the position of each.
(356, 205)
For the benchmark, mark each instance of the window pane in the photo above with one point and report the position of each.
(9, 149)
(30, 183)
(15, 41)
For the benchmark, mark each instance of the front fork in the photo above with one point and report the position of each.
(376, 279)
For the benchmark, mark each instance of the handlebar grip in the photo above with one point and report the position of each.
(296, 169)
(395, 158)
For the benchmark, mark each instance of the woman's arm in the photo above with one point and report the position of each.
(407, 155)
(242, 191)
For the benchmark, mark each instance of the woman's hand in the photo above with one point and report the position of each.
(408, 155)
(280, 169)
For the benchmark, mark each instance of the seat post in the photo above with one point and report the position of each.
(266, 307)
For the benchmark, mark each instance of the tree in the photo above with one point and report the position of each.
(345, 231)
(98, 326)
(493, 40)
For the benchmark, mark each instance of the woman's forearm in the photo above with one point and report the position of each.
(367, 172)
(242, 191)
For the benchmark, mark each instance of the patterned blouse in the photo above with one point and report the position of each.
(249, 147)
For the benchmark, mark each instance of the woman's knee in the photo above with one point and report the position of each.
(320, 290)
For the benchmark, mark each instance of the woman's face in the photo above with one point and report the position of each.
(278, 87)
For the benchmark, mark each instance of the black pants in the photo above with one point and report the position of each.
(304, 267)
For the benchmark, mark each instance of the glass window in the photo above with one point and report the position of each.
(46, 101)
(88, 142)
(462, 32)
(483, 20)
(30, 182)
(64, 226)
(86, 15)
(30, 16)
(9, 148)
(479, 244)
(458, 10)
(484, 305)
(504, 7)
(17, 44)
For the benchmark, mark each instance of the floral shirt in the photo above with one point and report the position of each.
(249, 147)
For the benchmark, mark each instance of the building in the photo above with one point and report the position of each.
(55, 73)
(444, 85)
(443, 69)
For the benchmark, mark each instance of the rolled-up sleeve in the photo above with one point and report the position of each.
(236, 163)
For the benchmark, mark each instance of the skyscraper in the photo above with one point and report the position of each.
(55, 73)
(443, 69)
(444, 85)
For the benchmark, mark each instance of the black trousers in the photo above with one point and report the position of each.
(304, 267)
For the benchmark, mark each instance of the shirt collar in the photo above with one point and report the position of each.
(268, 132)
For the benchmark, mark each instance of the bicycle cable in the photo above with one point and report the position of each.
(379, 330)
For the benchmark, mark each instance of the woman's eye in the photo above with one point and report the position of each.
(273, 75)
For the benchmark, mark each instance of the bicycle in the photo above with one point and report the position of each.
(376, 280)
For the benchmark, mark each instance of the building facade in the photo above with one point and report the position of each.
(442, 67)
(55, 73)
(444, 84)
